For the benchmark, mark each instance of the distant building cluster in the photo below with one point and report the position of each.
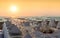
(33, 27)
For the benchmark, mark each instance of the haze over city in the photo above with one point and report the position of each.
(29, 18)
(16, 8)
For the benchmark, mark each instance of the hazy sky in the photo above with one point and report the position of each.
(30, 7)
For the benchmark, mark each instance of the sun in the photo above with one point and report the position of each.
(13, 8)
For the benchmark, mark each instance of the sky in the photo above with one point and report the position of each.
(30, 8)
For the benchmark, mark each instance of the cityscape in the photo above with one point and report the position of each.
(29, 18)
(30, 27)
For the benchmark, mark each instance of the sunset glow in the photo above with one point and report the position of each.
(13, 8)
(29, 8)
